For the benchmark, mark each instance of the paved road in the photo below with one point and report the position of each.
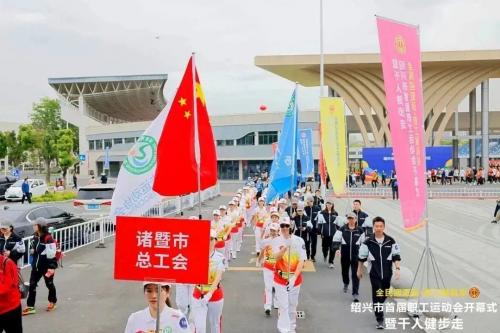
(465, 244)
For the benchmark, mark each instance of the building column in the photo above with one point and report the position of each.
(256, 138)
(472, 128)
(456, 161)
(82, 140)
(240, 170)
(485, 105)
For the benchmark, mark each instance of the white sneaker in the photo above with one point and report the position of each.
(234, 255)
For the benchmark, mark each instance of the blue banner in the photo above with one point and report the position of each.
(382, 160)
(283, 175)
(304, 149)
(106, 159)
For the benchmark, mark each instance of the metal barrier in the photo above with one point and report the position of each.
(97, 230)
(449, 193)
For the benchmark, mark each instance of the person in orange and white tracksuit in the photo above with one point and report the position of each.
(234, 216)
(246, 203)
(216, 225)
(208, 299)
(290, 253)
(268, 261)
(226, 226)
(258, 219)
(240, 223)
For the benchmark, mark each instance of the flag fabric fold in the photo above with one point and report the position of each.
(177, 171)
(283, 174)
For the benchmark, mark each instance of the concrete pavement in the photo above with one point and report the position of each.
(465, 243)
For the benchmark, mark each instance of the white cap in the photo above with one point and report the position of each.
(216, 212)
(232, 202)
(275, 213)
(261, 199)
(4, 224)
(300, 205)
(163, 284)
(239, 190)
(282, 201)
(274, 226)
(309, 197)
(285, 220)
(222, 207)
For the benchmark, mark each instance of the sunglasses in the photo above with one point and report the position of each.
(284, 225)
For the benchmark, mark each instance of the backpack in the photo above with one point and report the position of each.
(23, 288)
(54, 252)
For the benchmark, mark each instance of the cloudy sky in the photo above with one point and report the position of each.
(55, 38)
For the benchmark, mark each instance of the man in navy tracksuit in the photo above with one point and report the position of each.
(349, 237)
(382, 251)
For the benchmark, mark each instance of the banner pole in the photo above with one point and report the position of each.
(158, 290)
(196, 134)
(321, 80)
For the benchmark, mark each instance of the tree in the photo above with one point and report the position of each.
(46, 118)
(14, 149)
(3, 145)
(64, 145)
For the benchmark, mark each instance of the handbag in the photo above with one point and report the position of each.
(23, 288)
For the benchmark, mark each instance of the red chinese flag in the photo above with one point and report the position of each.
(176, 169)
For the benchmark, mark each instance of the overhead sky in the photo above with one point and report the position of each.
(55, 38)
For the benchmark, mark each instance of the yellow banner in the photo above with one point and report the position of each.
(333, 139)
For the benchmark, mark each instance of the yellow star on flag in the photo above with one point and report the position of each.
(182, 101)
(187, 114)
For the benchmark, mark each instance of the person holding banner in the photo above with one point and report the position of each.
(208, 299)
(383, 252)
(171, 320)
(290, 254)
(303, 228)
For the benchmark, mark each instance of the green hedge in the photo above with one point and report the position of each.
(57, 196)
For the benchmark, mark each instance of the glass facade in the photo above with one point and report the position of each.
(228, 170)
(98, 144)
(267, 138)
(129, 140)
(91, 145)
(247, 140)
(108, 143)
(252, 168)
(117, 141)
(225, 142)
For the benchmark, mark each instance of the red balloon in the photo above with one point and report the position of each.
(263, 108)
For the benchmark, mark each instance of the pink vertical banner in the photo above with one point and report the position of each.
(402, 69)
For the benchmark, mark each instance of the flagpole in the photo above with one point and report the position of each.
(196, 135)
(294, 165)
(321, 79)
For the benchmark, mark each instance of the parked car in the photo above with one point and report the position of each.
(95, 197)
(5, 183)
(37, 187)
(22, 218)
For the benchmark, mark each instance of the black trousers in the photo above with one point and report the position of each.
(11, 322)
(327, 247)
(347, 263)
(27, 196)
(35, 276)
(379, 286)
(395, 193)
(314, 242)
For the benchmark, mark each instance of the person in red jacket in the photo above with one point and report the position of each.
(10, 297)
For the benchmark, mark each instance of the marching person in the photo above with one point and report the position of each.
(43, 264)
(496, 214)
(349, 238)
(303, 227)
(235, 217)
(171, 320)
(383, 251)
(25, 188)
(258, 218)
(11, 245)
(318, 200)
(312, 212)
(289, 252)
(226, 227)
(327, 227)
(208, 299)
(10, 297)
(292, 209)
(267, 260)
(361, 217)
